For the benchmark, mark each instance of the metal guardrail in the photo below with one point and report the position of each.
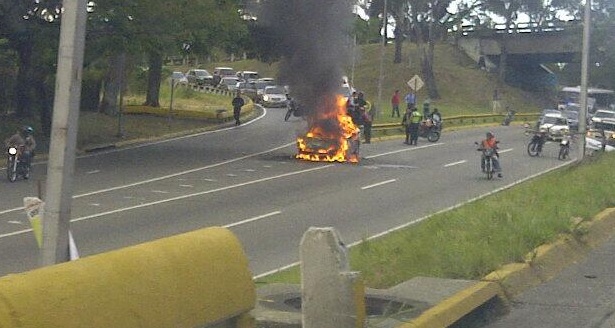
(460, 120)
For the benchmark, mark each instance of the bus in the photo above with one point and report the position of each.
(596, 98)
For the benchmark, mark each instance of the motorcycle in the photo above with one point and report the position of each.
(564, 148)
(487, 158)
(534, 147)
(292, 109)
(16, 167)
(430, 130)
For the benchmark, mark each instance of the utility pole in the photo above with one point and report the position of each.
(382, 47)
(65, 119)
(584, 78)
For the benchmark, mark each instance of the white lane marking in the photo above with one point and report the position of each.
(505, 150)
(83, 218)
(168, 200)
(410, 223)
(256, 218)
(92, 172)
(404, 150)
(160, 191)
(166, 176)
(186, 186)
(378, 184)
(15, 222)
(249, 170)
(209, 180)
(395, 166)
(231, 175)
(455, 163)
(94, 204)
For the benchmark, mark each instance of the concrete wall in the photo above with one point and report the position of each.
(190, 280)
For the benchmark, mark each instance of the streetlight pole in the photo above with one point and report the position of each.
(63, 142)
(382, 46)
(584, 78)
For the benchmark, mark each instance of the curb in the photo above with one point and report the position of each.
(540, 265)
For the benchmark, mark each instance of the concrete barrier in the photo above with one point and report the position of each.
(197, 279)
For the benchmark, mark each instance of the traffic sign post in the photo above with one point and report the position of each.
(415, 83)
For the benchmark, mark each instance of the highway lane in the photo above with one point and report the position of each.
(266, 197)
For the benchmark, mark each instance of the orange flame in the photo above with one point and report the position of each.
(337, 144)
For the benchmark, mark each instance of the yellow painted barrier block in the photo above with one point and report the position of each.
(455, 307)
(188, 280)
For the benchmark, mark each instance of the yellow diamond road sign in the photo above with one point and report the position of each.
(415, 83)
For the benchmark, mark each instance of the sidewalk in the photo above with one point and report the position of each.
(581, 295)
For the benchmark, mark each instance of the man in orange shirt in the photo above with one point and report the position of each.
(491, 142)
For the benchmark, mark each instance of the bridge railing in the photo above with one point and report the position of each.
(514, 28)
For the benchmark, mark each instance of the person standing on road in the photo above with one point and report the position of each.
(406, 124)
(216, 79)
(237, 103)
(395, 100)
(415, 120)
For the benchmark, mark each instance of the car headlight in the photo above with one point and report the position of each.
(13, 151)
(266, 98)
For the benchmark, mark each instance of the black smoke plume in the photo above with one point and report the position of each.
(314, 42)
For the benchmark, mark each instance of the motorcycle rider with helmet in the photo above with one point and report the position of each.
(23, 137)
(491, 142)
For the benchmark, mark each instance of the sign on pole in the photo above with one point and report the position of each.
(415, 83)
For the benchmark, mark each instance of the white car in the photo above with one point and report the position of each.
(601, 114)
(555, 124)
(274, 96)
(229, 83)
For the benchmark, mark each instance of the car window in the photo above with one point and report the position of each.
(553, 120)
(604, 114)
(275, 90)
(202, 73)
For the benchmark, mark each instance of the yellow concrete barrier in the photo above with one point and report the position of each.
(190, 280)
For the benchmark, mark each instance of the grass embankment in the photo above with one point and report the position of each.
(473, 240)
(463, 89)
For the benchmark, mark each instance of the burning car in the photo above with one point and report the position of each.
(331, 136)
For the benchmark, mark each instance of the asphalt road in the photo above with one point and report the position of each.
(246, 178)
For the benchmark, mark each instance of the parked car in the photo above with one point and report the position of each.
(229, 83)
(247, 75)
(273, 96)
(199, 77)
(555, 124)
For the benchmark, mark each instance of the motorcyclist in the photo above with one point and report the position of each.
(23, 137)
(491, 142)
(291, 106)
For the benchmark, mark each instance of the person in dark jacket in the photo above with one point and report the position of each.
(237, 102)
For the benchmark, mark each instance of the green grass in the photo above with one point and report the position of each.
(473, 240)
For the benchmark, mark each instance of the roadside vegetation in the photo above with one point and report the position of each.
(464, 89)
(478, 238)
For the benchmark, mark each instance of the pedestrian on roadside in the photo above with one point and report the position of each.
(496, 105)
(410, 99)
(395, 100)
(237, 103)
(216, 79)
(426, 106)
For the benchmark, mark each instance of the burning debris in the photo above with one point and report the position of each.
(331, 137)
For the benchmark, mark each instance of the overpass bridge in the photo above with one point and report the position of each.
(523, 49)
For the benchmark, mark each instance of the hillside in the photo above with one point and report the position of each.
(464, 88)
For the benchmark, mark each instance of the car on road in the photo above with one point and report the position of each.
(601, 114)
(229, 83)
(555, 124)
(199, 77)
(225, 71)
(254, 89)
(179, 78)
(273, 96)
(573, 119)
(247, 75)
